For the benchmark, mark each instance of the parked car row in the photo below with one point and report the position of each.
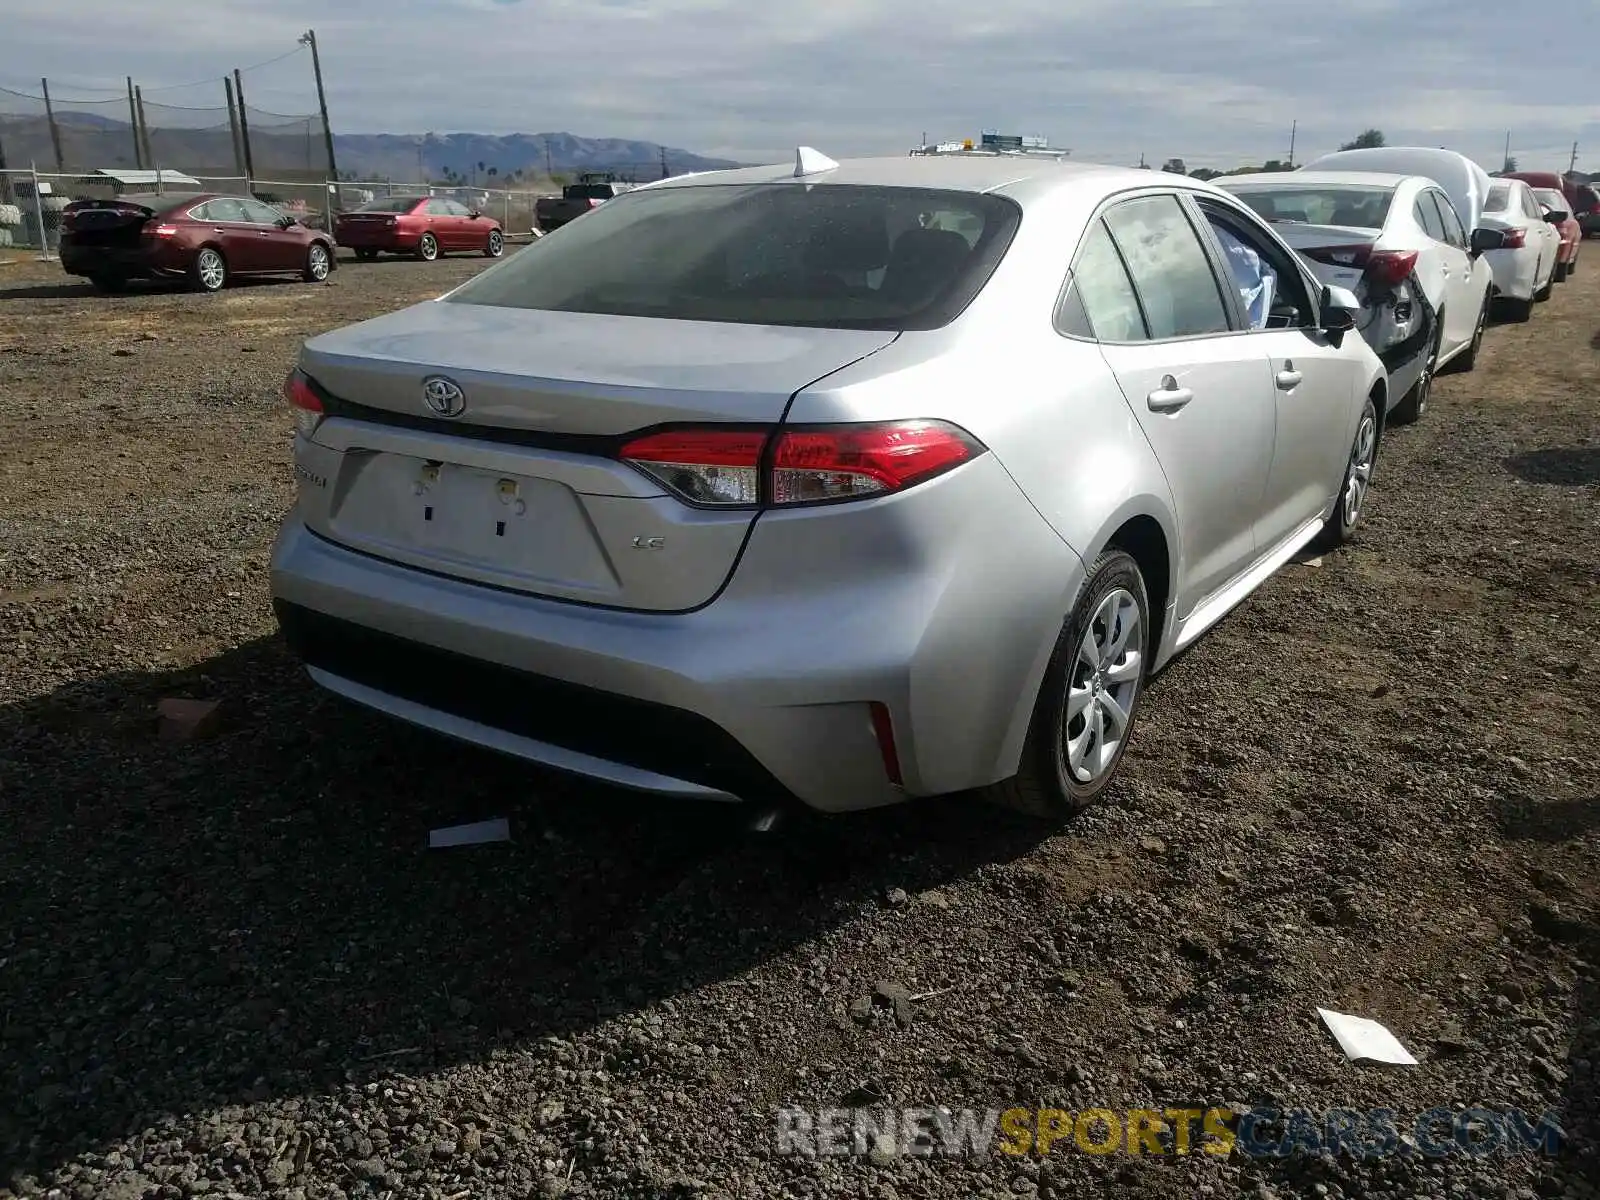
(1428, 241)
(207, 239)
(898, 483)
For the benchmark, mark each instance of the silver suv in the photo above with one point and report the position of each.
(848, 482)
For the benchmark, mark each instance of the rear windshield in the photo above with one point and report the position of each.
(1356, 207)
(394, 204)
(1498, 198)
(590, 191)
(1551, 199)
(831, 255)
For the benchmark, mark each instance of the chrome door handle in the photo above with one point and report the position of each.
(1169, 397)
(1288, 379)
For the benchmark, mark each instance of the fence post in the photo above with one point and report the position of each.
(38, 212)
(158, 179)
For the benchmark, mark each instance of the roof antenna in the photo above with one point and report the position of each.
(811, 162)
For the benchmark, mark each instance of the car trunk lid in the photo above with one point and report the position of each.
(513, 479)
(105, 222)
(1338, 255)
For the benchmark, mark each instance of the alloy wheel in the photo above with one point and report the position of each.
(319, 262)
(1359, 474)
(496, 244)
(211, 269)
(1103, 685)
(428, 248)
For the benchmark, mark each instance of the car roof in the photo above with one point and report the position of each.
(1319, 178)
(1010, 174)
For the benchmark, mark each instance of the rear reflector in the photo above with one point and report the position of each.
(883, 730)
(737, 468)
(305, 403)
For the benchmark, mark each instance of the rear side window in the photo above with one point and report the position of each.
(1176, 286)
(590, 191)
(830, 255)
(223, 209)
(1427, 214)
(1530, 206)
(1102, 296)
(1453, 233)
(1497, 198)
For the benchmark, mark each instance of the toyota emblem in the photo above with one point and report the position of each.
(443, 397)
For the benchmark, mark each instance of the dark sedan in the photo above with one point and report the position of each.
(202, 239)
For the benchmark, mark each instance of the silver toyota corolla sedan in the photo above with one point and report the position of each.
(848, 481)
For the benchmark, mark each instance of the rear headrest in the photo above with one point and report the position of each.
(848, 242)
(923, 261)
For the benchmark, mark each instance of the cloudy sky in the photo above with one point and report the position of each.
(1216, 82)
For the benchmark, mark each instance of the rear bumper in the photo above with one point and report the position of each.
(1513, 272)
(944, 613)
(376, 239)
(138, 261)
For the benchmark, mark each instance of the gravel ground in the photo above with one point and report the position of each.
(230, 967)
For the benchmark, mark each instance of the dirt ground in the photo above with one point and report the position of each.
(231, 967)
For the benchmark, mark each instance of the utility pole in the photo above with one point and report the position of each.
(547, 168)
(1505, 164)
(55, 133)
(244, 131)
(144, 132)
(309, 38)
(233, 126)
(1141, 161)
(664, 171)
(1294, 128)
(5, 180)
(1573, 164)
(133, 124)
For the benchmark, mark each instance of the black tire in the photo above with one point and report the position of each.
(366, 253)
(1561, 274)
(1044, 785)
(427, 247)
(1414, 403)
(1341, 524)
(1517, 310)
(209, 273)
(1543, 293)
(319, 263)
(1572, 267)
(110, 284)
(495, 246)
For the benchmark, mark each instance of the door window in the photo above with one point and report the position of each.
(259, 213)
(1271, 289)
(1453, 233)
(1531, 205)
(438, 208)
(1172, 274)
(223, 209)
(1100, 302)
(1427, 214)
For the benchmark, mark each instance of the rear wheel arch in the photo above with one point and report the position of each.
(1145, 541)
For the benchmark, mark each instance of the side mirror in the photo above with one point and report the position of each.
(1339, 308)
(1556, 217)
(286, 221)
(1485, 240)
(474, 214)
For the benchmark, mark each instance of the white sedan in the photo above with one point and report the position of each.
(1525, 266)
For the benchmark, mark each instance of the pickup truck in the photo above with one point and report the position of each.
(552, 212)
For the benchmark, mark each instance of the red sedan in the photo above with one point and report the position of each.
(1571, 231)
(205, 239)
(425, 226)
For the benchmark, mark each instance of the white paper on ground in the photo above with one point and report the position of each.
(479, 832)
(1361, 1038)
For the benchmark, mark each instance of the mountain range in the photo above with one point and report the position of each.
(93, 141)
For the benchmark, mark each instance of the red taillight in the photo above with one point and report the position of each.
(1515, 239)
(727, 468)
(161, 230)
(303, 399)
(1387, 267)
(883, 730)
